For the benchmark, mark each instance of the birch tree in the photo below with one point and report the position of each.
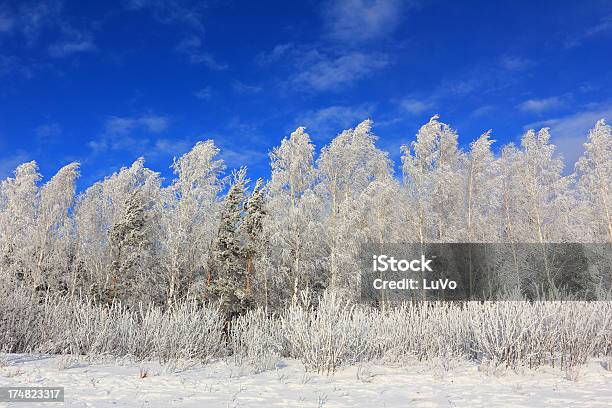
(347, 167)
(292, 225)
(595, 182)
(99, 208)
(54, 233)
(18, 221)
(190, 217)
(432, 174)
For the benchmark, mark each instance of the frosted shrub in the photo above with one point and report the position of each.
(64, 326)
(19, 322)
(256, 340)
(324, 337)
(580, 332)
(185, 332)
(500, 331)
(424, 331)
(328, 336)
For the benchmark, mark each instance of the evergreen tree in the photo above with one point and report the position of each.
(130, 246)
(227, 272)
(253, 232)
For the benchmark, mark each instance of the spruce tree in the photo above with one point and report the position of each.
(129, 247)
(226, 283)
(253, 231)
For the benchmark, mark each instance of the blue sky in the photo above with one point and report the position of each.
(104, 83)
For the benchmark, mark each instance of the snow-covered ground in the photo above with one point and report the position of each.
(116, 383)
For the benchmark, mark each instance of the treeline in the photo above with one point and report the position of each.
(214, 237)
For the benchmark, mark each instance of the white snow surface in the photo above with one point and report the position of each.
(118, 383)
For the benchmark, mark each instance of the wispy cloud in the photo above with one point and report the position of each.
(32, 18)
(355, 21)
(35, 22)
(235, 158)
(9, 163)
(415, 106)
(48, 131)
(603, 27)
(73, 42)
(569, 132)
(324, 72)
(189, 17)
(187, 13)
(326, 122)
(541, 105)
(117, 134)
(315, 68)
(242, 88)
(193, 48)
(278, 52)
(122, 125)
(203, 93)
(482, 111)
(515, 62)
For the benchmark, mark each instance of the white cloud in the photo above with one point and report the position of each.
(203, 93)
(8, 164)
(482, 111)
(323, 72)
(69, 47)
(242, 88)
(118, 131)
(241, 157)
(569, 133)
(326, 122)
(116, 125)
(354, 21)
(604, 26)
(36, 21)
(185, 13)
(48, 131)
(189, 17)
(278, 52)
(541, 105)
(415, 106)
(192, 47)
(34, 17)
(515, 63)
(484, 78)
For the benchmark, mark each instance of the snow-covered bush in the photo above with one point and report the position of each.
(330, 335)
(64, 326)
(325, 336)
(256, 340)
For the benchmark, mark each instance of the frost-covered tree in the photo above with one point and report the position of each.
(18, 221)
(347, 167)
(131, 246)
(595, 182)
(539, 194)
(292, 226)
(126, 237)
(254, 213)
(432, 173)
(482, 195)
(99, 208)
(54, 232)
(226, 281)
(190, 218)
